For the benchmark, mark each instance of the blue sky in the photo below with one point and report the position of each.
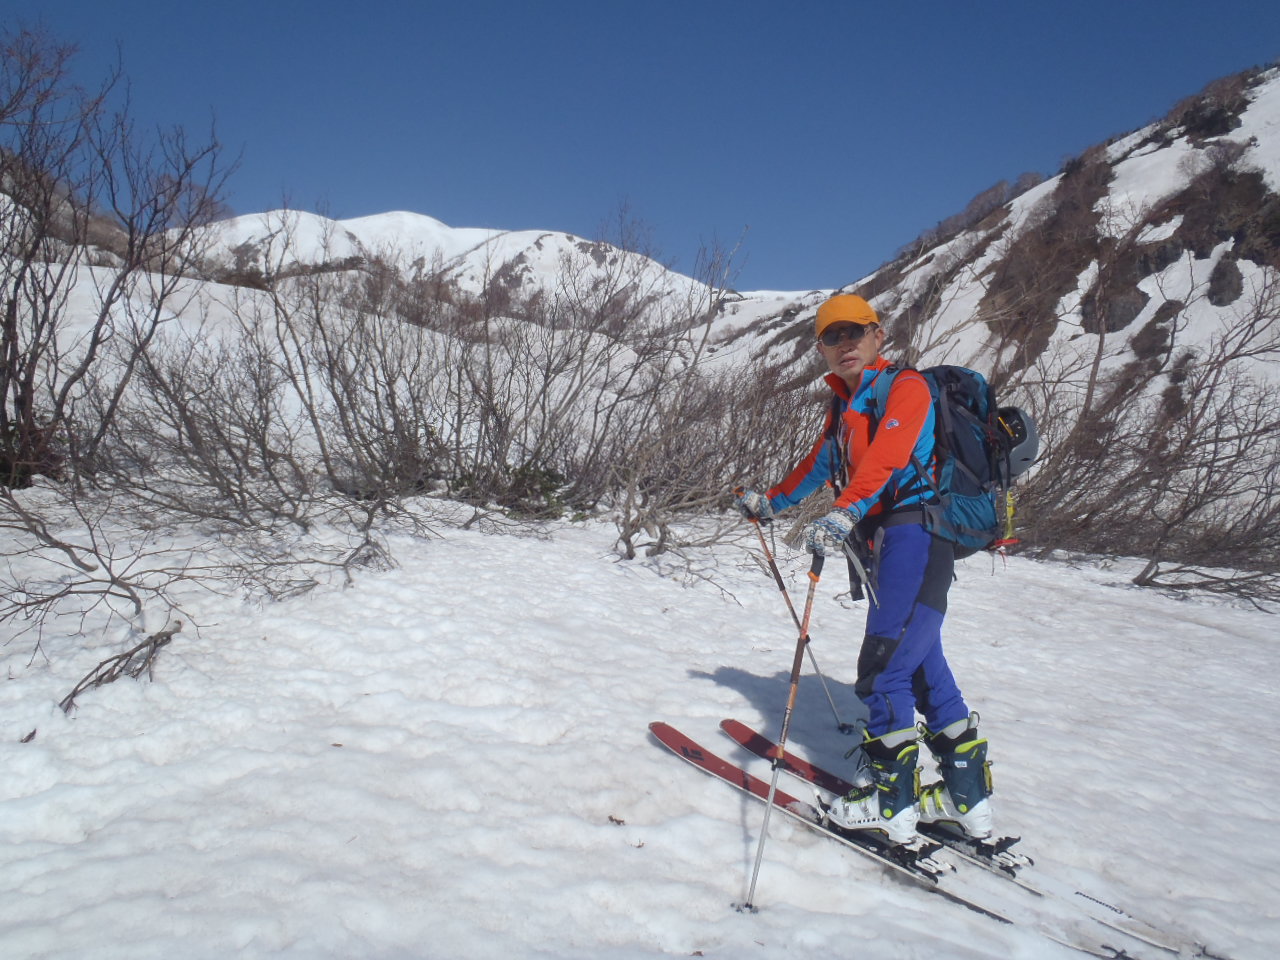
(832, 133)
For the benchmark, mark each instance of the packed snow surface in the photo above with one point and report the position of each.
(451, 759)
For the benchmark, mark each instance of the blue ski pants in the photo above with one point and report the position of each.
(901, 667)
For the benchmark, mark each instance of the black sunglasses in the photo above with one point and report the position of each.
(845, 332)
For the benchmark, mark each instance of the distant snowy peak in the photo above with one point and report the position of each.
(280, 238)
(282, 241)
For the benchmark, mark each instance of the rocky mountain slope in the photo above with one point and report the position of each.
(1151, 240)
(1132, 302)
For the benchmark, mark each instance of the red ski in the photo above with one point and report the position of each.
(882, 853)
(923, 871)
(993, 856)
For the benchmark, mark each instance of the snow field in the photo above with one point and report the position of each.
(451, 759)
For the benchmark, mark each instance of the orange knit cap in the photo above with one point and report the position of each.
(844, 308)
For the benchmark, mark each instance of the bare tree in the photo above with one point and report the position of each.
(94, 209)
(97, 232)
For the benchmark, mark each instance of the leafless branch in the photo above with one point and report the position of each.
(132, 663)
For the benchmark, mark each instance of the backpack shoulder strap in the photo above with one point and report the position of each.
(832, 436)
(879, 402)
(880, 388)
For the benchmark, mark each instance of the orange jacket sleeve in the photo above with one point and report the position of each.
(809, 474)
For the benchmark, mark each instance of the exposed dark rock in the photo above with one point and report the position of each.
(1226, 283)
(1221, 205)
(1154, 257)
(1258, 237)
(1154, 339)
(1113, 310)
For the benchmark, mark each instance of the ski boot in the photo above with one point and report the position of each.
(887, 801)
(960, 797)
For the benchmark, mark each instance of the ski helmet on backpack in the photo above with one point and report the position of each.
(1023, 439)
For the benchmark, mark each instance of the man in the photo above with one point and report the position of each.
(901, 667)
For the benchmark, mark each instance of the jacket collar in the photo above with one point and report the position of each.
(868, 377)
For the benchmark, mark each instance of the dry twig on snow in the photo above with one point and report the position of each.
(130, 663)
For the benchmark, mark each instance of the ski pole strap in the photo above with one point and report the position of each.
(860, 580)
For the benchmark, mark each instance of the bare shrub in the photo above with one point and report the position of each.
(284, 428)
(535, 390)
(74, 171)
(680, 450)
(1173, 459)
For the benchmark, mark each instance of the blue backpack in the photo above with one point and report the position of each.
(979, 449)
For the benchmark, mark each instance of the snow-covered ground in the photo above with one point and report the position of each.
(451, 760)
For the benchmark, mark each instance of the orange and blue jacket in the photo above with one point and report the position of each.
(868, 472)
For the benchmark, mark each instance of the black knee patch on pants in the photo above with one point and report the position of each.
(939, 571)
(872, 659)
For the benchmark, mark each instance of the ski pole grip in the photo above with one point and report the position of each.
(815, 569)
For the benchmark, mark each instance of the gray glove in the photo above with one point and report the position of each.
(825, 537)
(753, 506)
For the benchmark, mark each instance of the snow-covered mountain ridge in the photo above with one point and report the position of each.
(1179, 216)
(252, 248)
(289, 239)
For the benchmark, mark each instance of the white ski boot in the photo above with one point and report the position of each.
(888, 801)
(961, 797)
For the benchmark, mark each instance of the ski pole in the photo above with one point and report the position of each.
(777, 578)
(797, 663)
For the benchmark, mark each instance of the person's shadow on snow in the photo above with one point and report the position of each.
(814, 733)
(823, 729)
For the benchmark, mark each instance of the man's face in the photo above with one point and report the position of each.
(849, 347)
